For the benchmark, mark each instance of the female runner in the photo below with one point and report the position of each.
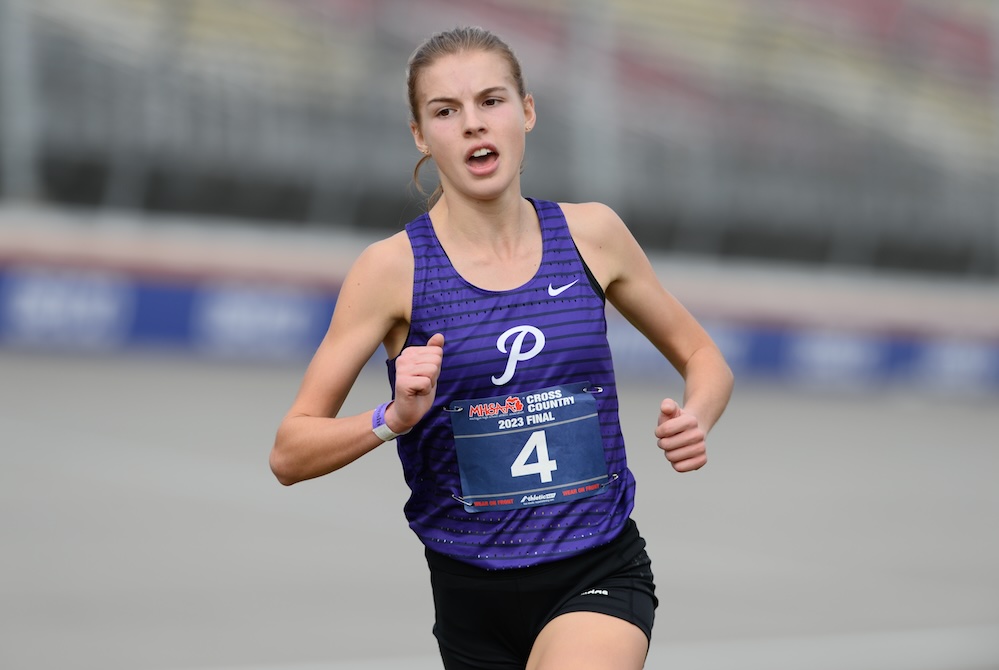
(504, 403)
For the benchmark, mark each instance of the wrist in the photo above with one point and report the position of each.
(380, 427)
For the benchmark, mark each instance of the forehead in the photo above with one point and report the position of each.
(464, 73)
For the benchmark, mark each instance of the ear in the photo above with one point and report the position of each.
(530, 114)
(414, 128)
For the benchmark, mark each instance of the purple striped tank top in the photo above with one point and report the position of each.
(551, 331)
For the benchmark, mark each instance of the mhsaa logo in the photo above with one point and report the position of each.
(487, 409)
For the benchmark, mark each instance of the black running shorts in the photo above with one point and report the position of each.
(489, 619)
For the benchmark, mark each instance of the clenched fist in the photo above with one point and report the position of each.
(416, 373)
(680, 437)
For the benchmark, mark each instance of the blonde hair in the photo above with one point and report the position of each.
(450, 43)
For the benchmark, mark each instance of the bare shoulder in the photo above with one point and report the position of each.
(602, 238)
(380, 283)
(591, 220)
(392, 255)
(375, 301)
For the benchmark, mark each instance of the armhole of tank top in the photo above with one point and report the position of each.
(594, 284)
(408, 341)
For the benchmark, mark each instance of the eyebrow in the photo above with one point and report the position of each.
(481, 94)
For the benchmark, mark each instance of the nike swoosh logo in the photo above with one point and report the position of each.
(553, 292)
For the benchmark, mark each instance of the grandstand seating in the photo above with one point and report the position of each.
(854, 130)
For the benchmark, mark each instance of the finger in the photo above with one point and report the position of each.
(684, 438)
(429, 365)
(436, 340)
(668, 409)
(416, 386)
(691, 464)
(680, 452)
(675, 426)
(420, 360)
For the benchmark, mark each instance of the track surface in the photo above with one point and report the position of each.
(141, 529)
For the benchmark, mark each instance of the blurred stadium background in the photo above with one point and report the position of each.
(818, 180)
(842, 145)
(855, 132)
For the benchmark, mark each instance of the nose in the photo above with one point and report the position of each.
(473, 124)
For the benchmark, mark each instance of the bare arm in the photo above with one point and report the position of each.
(623, 269)
(372, 308)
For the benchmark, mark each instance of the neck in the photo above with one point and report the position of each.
(502, 224)
(495, 248)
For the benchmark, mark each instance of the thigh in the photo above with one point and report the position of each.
(607, 622)
(478, 622)
(589, 640)
(620, 586)
(497, 620)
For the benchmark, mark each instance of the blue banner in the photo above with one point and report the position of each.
(95, 309)
(100, 309)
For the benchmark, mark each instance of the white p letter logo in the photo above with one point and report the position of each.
(517, 352)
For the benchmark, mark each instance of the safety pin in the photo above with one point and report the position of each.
(613, 478)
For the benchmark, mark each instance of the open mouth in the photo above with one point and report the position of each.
(482, 156)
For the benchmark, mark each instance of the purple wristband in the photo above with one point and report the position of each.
(378, 418)
(380, 428)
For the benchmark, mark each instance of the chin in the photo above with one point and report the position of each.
(491, 191)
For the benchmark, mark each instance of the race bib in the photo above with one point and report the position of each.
(529, 449)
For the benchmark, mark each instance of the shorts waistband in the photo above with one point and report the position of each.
(439, 562)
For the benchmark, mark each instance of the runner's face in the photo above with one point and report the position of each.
(473, 120)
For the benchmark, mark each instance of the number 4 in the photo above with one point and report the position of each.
(544, 465)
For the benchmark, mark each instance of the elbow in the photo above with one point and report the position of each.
(282, 476)
(282, 469)
(709, 361)
(725, 376)
(726, 380)
(285, 460)
(286, 481)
